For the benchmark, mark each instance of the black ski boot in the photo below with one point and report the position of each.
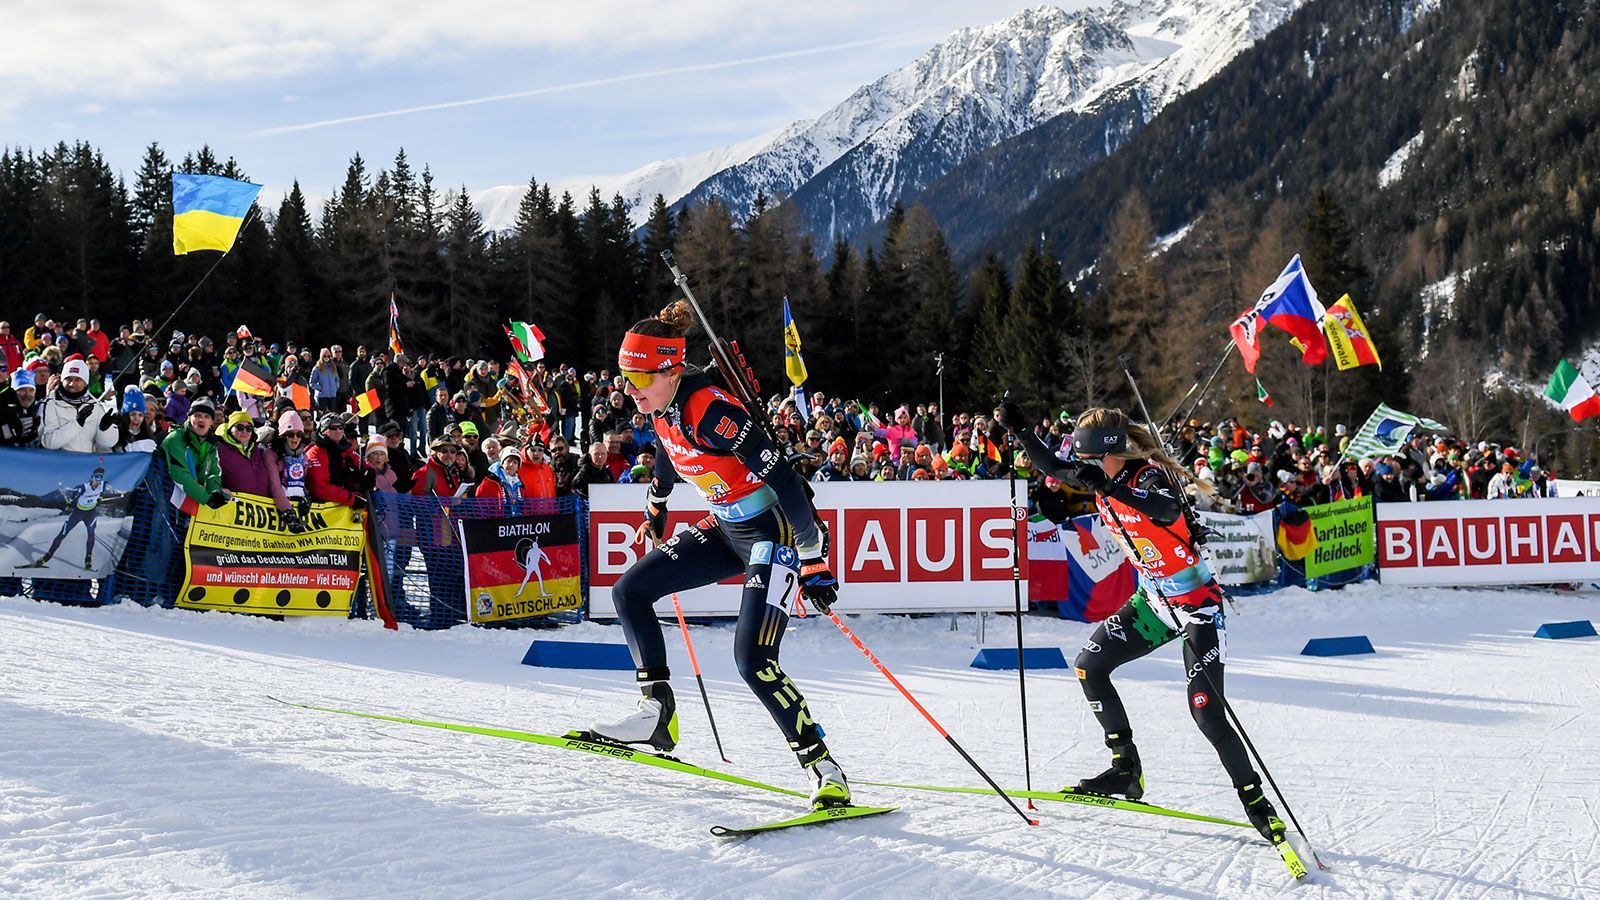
(1125, 776)
(1261, 813)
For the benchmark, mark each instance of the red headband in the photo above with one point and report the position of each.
(647, 353)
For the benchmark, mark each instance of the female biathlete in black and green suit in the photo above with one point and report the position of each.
(1136, 486)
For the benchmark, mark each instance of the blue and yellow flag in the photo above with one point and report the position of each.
(208, 211)
(792, 363)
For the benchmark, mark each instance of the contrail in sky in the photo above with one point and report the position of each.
(571, 86)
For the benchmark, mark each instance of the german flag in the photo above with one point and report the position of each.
(253, 378)
(1296, 537)
(365, 404)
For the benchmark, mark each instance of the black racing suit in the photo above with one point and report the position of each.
(760, 515)
(1142, 507)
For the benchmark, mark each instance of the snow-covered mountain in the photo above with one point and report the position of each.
(672, 178)
(975, 89)
(985, 85)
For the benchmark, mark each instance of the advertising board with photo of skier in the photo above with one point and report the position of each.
(66, 515)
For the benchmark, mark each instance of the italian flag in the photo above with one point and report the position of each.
(526, 340)
(1568, 389)
(1261, 393)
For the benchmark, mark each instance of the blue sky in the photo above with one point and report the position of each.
(255, 79)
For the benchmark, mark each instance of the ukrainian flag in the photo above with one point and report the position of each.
(208, 211)
(792, 363)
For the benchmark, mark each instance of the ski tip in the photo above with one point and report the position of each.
(1033, 822)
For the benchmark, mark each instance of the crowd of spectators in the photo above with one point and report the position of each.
(451, 426)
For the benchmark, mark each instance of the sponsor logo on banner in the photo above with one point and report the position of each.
(522, 566)
(1524, 541)
(1244, 548)
(243, 558)
(896, 547)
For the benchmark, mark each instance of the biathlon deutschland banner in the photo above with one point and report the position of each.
(243, 558)
(66, 515)
(521, 567)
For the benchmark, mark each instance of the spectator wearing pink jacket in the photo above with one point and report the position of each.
(901, 430)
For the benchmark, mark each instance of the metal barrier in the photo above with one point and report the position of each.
(422, 559)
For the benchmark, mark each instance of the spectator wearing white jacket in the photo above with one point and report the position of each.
(73, 419)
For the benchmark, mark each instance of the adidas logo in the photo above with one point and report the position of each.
(754, 581)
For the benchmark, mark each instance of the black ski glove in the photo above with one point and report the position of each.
(108, 420)
(655, 519)
(817, 583)
(358, 503)
(1085, 476)
(293, 522)
(84, 412)
(217, 500)
(1014, 417)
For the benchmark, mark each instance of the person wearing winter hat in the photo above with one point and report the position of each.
(249, 467)
(503, 483)
(21, 411)
(73, 419)
(135, 432)
(191, 456)
(376, 456)
(290, 447)
(334, 471)
(836, 467)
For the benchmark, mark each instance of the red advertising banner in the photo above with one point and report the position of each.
(897, 546)
(1521, 541)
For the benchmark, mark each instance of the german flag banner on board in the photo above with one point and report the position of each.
(243, 558)
(521, 567)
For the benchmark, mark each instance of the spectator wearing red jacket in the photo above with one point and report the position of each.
(334, 471)
(10, 349)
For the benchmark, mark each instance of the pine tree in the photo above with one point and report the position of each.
(466, 320)
(659, 233)
(991, 353)
(534, 273)
(297, 282)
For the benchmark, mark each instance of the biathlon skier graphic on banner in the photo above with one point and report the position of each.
(522, 566)
(65, 515)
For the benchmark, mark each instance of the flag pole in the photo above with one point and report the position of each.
(1199, 398)
(187, 297)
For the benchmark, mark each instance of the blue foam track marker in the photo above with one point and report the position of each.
(578, 655)
(1580, 628)
(1338, 646)
(1006, 658)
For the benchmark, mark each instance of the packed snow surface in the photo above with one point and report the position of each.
(140, 756)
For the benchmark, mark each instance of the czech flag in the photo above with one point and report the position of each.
(1289, 303)
(208, 211)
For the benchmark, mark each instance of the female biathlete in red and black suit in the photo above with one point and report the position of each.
(1136, 486)
(762, 524)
